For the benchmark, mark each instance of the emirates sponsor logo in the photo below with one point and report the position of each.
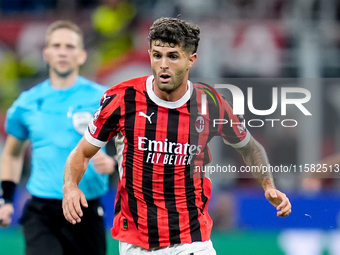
(167, 152)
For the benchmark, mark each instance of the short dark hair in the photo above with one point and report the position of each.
(68, 25)
(175, 32)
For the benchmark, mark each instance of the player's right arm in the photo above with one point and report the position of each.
(88, 146)
(75, 168)
(11, 168)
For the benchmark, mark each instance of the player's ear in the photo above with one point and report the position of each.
(45, 54)
(192, 60)
(82, 57)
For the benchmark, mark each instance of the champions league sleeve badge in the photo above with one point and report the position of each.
(92, 126)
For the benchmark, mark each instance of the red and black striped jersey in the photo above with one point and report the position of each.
(161, 200)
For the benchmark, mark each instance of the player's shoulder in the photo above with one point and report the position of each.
(205, 87)
(209, 90)
(90, 85)
(138, 84)
(33, 93)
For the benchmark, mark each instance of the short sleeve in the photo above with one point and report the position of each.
(232, 127)
(14, 124)
(104, 124)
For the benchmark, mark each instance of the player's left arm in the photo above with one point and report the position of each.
(254, 154)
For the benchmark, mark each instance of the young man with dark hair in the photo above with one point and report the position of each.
(161, 138)
(53, 115)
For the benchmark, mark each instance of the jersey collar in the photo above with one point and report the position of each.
(164, 103)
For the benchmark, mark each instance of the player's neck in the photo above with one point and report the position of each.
(63, 82)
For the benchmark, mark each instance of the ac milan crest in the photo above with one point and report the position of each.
(199, 124)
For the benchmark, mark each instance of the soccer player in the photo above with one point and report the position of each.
(162, 134)
(53, 115)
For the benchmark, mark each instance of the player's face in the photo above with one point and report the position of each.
(64, 52)
(170, 65)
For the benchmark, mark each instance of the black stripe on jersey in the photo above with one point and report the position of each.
(169, 181)
(107, 100)
(110, 125)
(214, 113)
(195, 231)
(118, 205)
(111, 122)
(130, 115)
(150, 133)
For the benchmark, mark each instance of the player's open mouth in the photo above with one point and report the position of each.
(165, 78)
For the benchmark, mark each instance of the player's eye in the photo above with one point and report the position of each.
(173, 57)
(157, 55)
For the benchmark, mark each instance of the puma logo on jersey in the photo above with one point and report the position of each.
(146, 116)
(105, 98)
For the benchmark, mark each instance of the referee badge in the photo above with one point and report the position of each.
(80, 121)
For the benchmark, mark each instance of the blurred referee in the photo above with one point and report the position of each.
(53, 116)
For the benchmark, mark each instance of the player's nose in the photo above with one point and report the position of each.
(164, 63)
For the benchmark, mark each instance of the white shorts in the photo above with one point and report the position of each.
(195, 248)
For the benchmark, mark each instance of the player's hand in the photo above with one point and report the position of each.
(280, 201)
(73, 198)
(103, 163)
(6, 212)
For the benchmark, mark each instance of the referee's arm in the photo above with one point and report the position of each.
(11, 169)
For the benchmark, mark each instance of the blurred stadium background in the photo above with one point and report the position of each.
(288, 42)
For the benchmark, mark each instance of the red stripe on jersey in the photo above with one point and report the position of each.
(122, 230)
(206, 219)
